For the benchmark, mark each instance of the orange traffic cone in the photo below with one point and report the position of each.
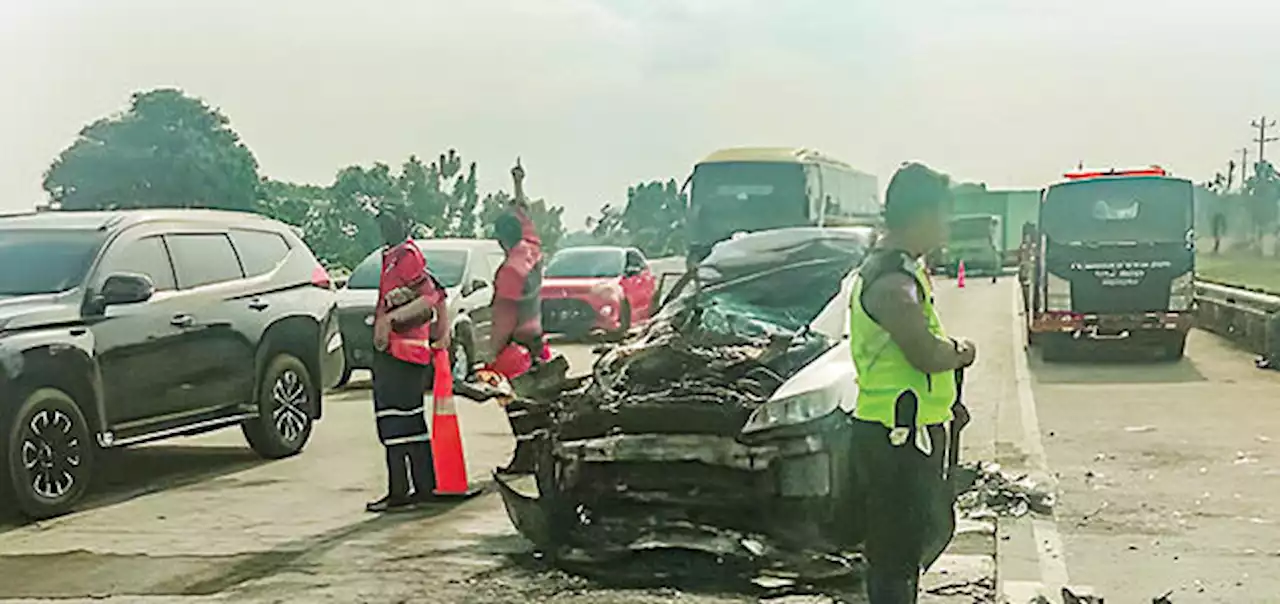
(446, 437)
(960, 275)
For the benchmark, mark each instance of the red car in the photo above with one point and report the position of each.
(595, 289)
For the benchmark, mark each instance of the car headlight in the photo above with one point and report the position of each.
(1181, 293)
(796, 409)
(1058, 292)
(608, 290)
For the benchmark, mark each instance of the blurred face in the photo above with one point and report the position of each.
(393, 229)
(926, 231)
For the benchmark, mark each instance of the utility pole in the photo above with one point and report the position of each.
(1262, 124)
(1244, 166)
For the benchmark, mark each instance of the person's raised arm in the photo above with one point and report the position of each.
(518, 199)
(520, 205)
(893, 302)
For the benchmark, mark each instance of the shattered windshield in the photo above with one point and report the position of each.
(773, 283)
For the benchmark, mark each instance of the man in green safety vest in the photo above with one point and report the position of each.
(906, 387)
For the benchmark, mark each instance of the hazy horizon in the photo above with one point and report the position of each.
(597, 95)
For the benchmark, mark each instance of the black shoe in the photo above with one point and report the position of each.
(389, 504)
(520, 464)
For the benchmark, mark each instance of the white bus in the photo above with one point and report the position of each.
(751, 189)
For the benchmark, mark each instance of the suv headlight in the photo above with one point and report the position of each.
(1182, 293)
(1058, 292)
(796, 409)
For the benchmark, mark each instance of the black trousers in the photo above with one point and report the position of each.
(906, 504)
(398, 389)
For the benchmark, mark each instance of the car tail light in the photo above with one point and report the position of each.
(320, 278)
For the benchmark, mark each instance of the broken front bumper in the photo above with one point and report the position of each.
(787, 500)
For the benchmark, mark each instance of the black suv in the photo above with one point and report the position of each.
(118, 328)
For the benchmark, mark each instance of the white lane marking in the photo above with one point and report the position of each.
(1049, 550)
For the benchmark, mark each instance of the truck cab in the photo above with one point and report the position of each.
(1113, 261)
(975, 240)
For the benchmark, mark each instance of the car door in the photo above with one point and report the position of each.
(140, 347)
(638, 284)
(220, 370)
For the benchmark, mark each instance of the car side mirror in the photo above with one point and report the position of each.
(633, 271)
(126, 288)
(474, 286)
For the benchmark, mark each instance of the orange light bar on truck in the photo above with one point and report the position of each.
(1152, 171)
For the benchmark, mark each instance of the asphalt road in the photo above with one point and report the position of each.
(1166, 475)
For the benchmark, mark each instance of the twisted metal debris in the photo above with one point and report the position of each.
(992, 493)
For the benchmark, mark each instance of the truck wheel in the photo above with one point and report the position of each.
(287, 403)
(48, 454)
(1173, 347)
(1055, 347)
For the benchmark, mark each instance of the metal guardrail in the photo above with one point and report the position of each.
(1247, 317)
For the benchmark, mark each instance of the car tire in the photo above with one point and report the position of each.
(48, 452)
(624, 321)
(287, 402)
(347, 370)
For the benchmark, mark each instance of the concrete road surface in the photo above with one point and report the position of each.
(1166, 471)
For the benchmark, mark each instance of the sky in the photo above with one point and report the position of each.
(596, 95)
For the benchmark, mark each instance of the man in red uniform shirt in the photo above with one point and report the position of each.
(517, 300)
(410, 319)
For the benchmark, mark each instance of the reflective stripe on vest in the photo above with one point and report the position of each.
(884, 373)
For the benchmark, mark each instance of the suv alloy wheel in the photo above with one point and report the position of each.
(286, 409)
(49, 454)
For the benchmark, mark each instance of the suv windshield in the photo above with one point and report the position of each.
(45, 261)
(448, 266)
(1114, 210)
(586, 263)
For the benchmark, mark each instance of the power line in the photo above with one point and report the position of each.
(1262, 124)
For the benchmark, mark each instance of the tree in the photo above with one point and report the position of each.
(653, 219)
(547, 219)
(166, 150)
(1262, 194)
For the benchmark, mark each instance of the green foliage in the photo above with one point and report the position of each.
(173, 151)
(1262, 192)
(168, 150)
(548, 219)
(653, 220)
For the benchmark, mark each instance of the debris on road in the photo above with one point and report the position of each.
(993, 493)
(1163, 599)
(1071, 597)
(980, 590)
(1140, 429)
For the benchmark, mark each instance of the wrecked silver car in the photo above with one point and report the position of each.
(722, 428)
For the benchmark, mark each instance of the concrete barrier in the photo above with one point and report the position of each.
(1249, 318)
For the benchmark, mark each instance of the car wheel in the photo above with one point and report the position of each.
(286, 409)
(48, 454)
(624, 321)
